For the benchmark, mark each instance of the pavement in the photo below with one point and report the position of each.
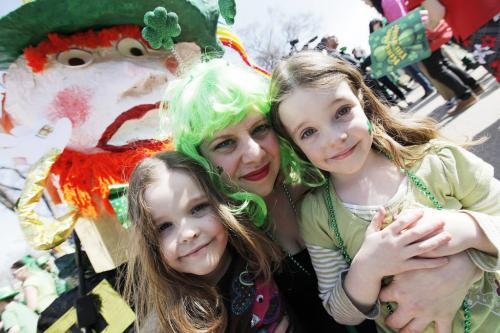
(481, 120)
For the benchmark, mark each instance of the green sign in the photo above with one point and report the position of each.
(399, 44)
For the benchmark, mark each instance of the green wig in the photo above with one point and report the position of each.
(208, 98)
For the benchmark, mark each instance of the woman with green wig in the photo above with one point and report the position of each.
(218, 115)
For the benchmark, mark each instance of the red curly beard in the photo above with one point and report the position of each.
(85, 178)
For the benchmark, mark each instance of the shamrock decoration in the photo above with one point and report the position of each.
(161, 27)
(413, 56)
(228, 10)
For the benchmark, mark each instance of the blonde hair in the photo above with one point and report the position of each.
(393, 131)
(184, 302)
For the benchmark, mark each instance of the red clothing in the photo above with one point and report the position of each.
(439, 36)
(465, 16)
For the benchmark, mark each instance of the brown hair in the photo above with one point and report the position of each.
(184, 302)
(393, 131)
(18, 264)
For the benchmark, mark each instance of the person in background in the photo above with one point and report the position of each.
(464, 86)
(329, 44)
(47, 263)
(475, 25)
(38, 286)
(15, 316)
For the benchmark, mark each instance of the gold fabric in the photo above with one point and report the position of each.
(42, 232)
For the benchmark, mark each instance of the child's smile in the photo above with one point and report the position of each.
(333, 133)
(192, 238)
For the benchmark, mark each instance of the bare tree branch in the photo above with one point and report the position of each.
(6, 201)
(268, 44)
(10, 187)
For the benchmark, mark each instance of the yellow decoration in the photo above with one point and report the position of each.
(42, 232)
(114, 310)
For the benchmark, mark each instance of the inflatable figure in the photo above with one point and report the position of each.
(85, 64)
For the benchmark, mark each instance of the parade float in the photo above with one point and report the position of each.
(83, 70)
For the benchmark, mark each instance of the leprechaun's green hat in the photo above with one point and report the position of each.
(7, 292)
(29, 24)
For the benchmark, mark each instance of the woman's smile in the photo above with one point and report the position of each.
(258, 174)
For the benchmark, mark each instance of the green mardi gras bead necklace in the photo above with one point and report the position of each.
(420, 185)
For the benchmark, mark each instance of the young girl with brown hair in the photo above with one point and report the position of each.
(197, 263)
(370, 165)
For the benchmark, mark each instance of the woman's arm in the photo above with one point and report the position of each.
(419, 305)
(436, 12)
(470, 180)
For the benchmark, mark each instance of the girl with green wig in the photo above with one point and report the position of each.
(218, 115)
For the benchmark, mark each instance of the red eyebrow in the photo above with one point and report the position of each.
(36, 56)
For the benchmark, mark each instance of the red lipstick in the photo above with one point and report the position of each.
(257, 174)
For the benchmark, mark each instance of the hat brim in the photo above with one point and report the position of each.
(8, 295)
(29, 24)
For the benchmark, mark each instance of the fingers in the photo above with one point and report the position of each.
(386, 295)
(420, 231)
(443, 326)
(398, 319)
(428, 245)
(377, 221)
(417, 325)
(405, 220)
(419, 263)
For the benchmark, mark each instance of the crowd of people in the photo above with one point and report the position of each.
(478, 35)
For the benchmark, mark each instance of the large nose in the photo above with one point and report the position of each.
(189, 230)
(253, 151)
(145, 80)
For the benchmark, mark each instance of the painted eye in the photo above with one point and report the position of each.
(130, 47)
(259, 298)
(75, 58)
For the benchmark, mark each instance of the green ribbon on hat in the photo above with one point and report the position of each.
(118, 199)
(161, 27)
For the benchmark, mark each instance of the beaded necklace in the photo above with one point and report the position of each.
(420, 185)
(292, 204)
